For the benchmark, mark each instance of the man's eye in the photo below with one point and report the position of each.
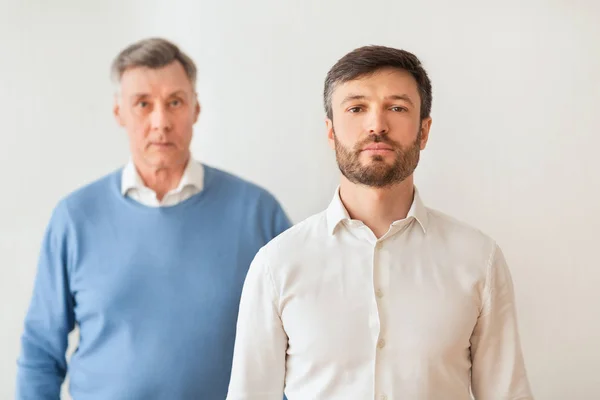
(398, 109)
(354, 109)
(143, 104)
(175, 103)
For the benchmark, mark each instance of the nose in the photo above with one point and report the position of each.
(377, 123)
(161, 119)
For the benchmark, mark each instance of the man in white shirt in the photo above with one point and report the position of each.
(378, 297)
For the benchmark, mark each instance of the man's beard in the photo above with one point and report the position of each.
(378, 173)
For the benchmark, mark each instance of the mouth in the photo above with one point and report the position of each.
(161, 145)
(377, 148)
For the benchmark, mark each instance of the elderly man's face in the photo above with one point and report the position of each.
(158, 108)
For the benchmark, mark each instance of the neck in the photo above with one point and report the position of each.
(377, 208)
(161, 179)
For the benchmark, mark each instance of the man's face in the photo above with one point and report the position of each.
(158, 108)
(376, 131)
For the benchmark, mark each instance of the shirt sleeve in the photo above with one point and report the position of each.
(42, 366)
(258, 371)
(498, 369)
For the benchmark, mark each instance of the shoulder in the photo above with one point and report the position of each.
(236, 188)
(78, 205)
(91, 196)
(445, 223)
(460, 237)
(292, 244)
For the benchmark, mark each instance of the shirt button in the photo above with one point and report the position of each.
(381, 343)
(379, 293)
(379, 245)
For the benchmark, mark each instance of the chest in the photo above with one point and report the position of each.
(135, 273)
(346, 304)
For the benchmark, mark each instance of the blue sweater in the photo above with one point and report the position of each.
(154, 291)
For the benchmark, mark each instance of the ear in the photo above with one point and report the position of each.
(330, 132)
(425, 127)
(117, 111)
(197, 110)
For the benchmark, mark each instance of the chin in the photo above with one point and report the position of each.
(160, 162)
(376, 161)
(165, 158)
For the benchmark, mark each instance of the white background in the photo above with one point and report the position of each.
(513, 147)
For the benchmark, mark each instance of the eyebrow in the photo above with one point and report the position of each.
(403, 97)
(353, 97)
(142, 95)
(180, 93)
(138, 95)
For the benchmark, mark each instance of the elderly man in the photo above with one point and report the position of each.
(148, 261)
(378, 297)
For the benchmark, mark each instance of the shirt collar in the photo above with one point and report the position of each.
(336, 212)
(193, 175)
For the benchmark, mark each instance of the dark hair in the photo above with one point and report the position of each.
(152, 53)
(370, 59)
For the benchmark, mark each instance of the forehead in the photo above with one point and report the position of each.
(382, 83)
(171, 77)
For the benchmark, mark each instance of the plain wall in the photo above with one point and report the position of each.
(513, 148)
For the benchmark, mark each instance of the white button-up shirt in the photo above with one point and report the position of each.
(191, 183)
(330, 312)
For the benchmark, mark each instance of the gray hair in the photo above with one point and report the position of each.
(152, 53)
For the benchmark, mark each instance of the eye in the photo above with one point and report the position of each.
(143, 104)
(355, 109)
(175, 103)
(398, 109)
